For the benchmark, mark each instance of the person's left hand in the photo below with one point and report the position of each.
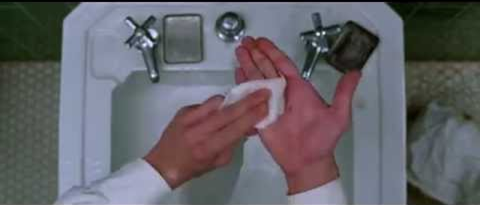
(303, 140)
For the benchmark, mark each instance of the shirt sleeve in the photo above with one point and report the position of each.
(329, 194)
(135, 183)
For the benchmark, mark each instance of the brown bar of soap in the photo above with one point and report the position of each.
(352, 48)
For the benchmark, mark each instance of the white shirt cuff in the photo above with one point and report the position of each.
(328, 194)
(135, 183)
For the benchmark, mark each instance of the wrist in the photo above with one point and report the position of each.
(169, 174)
(312, 176)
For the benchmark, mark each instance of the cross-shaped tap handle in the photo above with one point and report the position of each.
(317, 21)
(142, 35)
(134, 25)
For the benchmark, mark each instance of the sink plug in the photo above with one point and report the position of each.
(145, 40)
(230, 27)
(345, 47)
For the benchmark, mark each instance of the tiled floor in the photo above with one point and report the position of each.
(456, 84)
(28, 132)
(29, 97)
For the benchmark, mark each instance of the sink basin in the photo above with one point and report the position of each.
(112, 114)
(141, 111)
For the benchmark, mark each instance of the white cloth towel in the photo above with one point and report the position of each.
(275, 103)
(444, 155)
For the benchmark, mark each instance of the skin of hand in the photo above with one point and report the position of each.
(302, 141)
(202, 137)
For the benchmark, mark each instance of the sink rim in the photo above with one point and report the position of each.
(74, 81)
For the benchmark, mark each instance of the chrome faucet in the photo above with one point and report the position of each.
(316, 43)
(145, 40)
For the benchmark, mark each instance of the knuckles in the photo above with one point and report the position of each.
(199, 153)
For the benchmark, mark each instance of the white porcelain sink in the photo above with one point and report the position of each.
(111, 113)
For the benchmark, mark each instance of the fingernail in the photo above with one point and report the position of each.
(262, 38)
(219, 97)
(239, 49)
(248, 37)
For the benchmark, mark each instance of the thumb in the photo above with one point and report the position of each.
(346, 87)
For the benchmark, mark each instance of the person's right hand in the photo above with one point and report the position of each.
(201, 137)
(302, 141)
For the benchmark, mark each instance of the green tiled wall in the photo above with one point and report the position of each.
(31, 30)
(441, 31)
(433, 31)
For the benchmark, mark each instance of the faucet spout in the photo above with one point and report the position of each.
(317, 43)
(313, 54)
(151, 63)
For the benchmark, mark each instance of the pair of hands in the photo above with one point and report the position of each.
(302, 141)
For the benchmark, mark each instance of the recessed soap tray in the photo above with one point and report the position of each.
(183, 38)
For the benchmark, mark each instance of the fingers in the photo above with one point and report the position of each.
(260, 60)
(248, 42)
(237, 129)
(250, 56)
(279, 59)
(224, 157)
(239, 76)
(193, 113)
(255, 64)
(232, 112)
(346, 86)
(264, 64)
(247, 64)
(252, 132)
